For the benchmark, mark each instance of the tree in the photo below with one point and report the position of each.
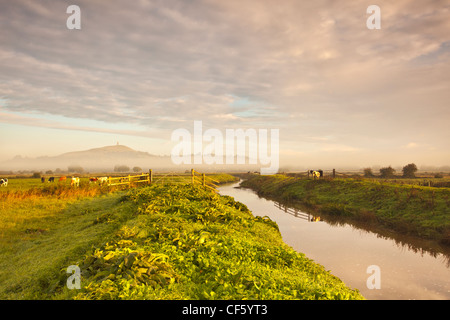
(75, 168)
(387, 172)
(368, 172)
(36, 175)
(121, 168)
(137, 169)
(409, 170)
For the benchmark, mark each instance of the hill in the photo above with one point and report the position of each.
(104, 159)
(97, 159)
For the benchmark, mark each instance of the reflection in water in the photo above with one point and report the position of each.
(402, 241)
(297, 213)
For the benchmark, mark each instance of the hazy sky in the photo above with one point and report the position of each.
(339, 93)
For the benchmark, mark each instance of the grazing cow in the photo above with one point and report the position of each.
(102, 180)
(316, 173)
(93, 180)
(75, 182)
(62, 178)
(42, 179)
(51, 179)
(4, 182)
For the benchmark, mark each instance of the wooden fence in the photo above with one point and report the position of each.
(129, 180)
(297, 213)
(149, 178)
(328, 173)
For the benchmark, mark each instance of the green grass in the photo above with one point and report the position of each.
(157, 242)
(410, 209)
(35, 248)
(188, 243)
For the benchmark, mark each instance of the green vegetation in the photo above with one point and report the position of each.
(409, 171)
(410, 209)
(156, 242)
(387, 172)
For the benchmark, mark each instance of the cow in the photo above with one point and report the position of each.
(316, 173)
(62, 179)
(93, 180)
(42, 179)
(75, 182)
(51, 179)
(102, 180)
(3, 182)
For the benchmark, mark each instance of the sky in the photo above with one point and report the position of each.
(339, 93)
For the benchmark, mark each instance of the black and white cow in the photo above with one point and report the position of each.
(3, 182)
(316, 174)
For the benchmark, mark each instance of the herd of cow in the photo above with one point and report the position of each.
(75, 181)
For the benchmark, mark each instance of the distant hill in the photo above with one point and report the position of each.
(104, 159)
(109, 152)
(98, 159)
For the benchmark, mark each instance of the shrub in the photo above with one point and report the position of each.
(121, 168)
(387, 172)
(75, 168)
(36, 175)
(368, 173)
(409, 170)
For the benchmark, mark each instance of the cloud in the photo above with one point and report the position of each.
(308, 68)
(12, 118)
(411, 145)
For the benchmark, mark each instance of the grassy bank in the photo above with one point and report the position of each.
(420, 211)
(156, 242)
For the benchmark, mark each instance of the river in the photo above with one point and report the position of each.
(400, 272)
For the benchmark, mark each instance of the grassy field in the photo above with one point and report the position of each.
(406, 208)
(156, 242)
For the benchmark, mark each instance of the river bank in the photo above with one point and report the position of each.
(421, 212)
(410, 269)
(169, 242)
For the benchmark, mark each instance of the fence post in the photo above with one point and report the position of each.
(203, 176)
(129, 181)
(192, 176)
(334, 173)
(150, 176)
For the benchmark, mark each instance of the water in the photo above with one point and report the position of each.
(347, 252)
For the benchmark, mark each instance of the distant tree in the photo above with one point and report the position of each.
(409, 170)
(137, 169)
(49, 172)
(74, 168)
(387, 172)
(58, 170)
(121, 168)
(368, 172)
(36, 175)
